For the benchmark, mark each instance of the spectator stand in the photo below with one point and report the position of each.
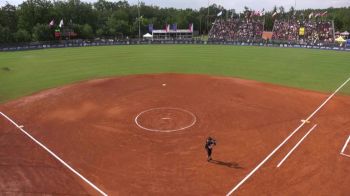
(304, 31)
(173, 33)
(249, 29)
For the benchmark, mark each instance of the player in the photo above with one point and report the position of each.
(209, 144)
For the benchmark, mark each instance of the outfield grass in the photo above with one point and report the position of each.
(32, 71)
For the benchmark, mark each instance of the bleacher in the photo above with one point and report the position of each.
(293, 31)
(303, 32)
(236, 29)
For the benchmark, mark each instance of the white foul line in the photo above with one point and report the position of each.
(54, 155)
(285, 140)
(345, 154)
(344, 147)
(290, 152)
(346, 144)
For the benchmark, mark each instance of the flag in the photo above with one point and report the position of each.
(61, 23)
(52, 23)
(311, 15)
(191, 27)
(317, 15)
(263, 12)
(274, 14)
(219, 14)
(324, 13)
(150, 28)
(174, 27)
(167, 28)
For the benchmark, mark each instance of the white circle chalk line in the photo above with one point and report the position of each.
(166, 130)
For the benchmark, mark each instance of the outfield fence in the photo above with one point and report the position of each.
(86, 43)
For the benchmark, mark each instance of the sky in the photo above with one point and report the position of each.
(232, 4)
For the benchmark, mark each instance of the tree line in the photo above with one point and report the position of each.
(30, 20)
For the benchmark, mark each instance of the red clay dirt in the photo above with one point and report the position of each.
(91, 125)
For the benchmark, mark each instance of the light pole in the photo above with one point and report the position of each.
(200, 25)
(208, 17)
(138, 10)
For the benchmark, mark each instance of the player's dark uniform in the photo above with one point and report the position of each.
(209, 147)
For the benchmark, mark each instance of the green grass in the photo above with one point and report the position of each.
(32, 71)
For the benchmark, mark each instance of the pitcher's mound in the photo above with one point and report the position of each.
(165, 119)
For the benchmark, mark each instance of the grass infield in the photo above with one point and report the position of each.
(25, 72)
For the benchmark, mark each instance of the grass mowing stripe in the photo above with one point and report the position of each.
(32, 71)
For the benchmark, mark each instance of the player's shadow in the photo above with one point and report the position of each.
(227, 164)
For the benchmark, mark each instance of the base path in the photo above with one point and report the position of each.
(92, 126)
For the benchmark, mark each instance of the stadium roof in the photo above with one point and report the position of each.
(172, 31)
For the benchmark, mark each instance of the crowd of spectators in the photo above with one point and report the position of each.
(314, 32)
(250, 29)
(236, 29)
(294, 31)
(286, 30)
(224, 29)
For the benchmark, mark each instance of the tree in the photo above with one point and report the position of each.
(268, 22)
(42, 32)
(8, 17)
(87, 32)
(5, 35)
(281, 10)
(100, 32)
(274, 9)
(291, 12)
(32, 12)
(117, 24)
(22, 36)
(107, 18)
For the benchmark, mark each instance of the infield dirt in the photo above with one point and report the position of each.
(91, 125)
